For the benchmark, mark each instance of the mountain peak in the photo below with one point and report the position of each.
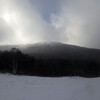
(48, 43)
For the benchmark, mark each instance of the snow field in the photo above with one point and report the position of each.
(41, 88)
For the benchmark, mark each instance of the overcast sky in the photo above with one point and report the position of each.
(70, 21)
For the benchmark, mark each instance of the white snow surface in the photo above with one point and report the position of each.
(13, 87)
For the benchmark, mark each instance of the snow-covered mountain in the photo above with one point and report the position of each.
(60, 50)
(56, 50)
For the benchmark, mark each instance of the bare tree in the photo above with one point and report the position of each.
(14, 64)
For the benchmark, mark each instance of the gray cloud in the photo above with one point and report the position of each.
(70, 21)
(82, 21)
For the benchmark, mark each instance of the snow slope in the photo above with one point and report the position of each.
(39, 88)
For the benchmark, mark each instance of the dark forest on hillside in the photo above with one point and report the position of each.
(16, 62)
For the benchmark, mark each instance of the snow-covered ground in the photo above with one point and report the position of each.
(38, 88)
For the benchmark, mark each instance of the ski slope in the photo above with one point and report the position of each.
(40, 88)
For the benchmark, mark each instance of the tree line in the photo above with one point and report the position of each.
(16, 62)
